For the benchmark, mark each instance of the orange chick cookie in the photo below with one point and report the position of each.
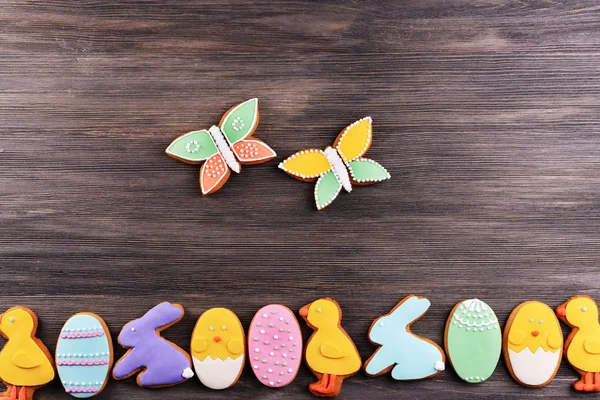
(582, 346)
(330, 352)
(25, 362)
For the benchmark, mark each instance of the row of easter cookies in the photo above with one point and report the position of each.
(532, 345)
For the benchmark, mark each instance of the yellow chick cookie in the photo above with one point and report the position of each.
(25, 362)
(582, 346)
(330, 352)
(532, 344)
(218, 348)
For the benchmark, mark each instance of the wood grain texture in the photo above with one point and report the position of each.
(486, 113)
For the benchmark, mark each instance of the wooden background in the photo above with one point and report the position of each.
(486, 113)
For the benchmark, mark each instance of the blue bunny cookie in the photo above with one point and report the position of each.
(408, 356)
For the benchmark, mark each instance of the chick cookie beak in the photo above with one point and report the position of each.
(217, 339)
(304, 311)
(561, 310)
(535, 333)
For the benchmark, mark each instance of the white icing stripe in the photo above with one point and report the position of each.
(475, 305)
(224, 149)
(467, 323)
(339, 168)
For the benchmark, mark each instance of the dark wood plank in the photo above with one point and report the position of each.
(485, 112)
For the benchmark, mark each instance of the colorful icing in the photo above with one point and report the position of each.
(406, 354)
(329, 351)
(355, 139)
(473, 340)
(582, 347)
(306, 164)
(271, 348)
(218, 348)
(533, 344)
(223, 146)
(213, 174)
(367, 171)
(25, 363)
(193, 147)
(84, 355)
(327, 189)
(334, 166)
(252, 151)
(241, 121)
(163, 363)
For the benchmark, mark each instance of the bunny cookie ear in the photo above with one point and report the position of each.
(163, 315)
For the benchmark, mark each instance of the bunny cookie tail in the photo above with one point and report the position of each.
(187, 373)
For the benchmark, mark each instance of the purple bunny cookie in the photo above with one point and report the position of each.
(162, 363)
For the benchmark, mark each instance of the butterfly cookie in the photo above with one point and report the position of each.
(340, 166)
(223, 148)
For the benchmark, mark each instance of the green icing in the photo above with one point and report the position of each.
(367, 171)
(326, 190)
(474, 341)
(193, 147)
(240, 121)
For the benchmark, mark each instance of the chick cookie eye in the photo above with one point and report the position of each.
(319, 310)
(584, 309)
(224, 327)
(11, 319)
(211, 328)
(531, 319)
(541, 321)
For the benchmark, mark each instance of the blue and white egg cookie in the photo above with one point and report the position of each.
(84, 355)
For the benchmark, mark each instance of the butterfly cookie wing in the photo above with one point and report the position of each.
(306, 165)
(213, 174)
(354, 141)
(365, 171)
(192, 147)
(327, 189)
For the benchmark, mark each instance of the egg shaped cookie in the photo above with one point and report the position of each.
(533, 344)
(218, 348)
(84, 355)
(275, 343)
(473, 340)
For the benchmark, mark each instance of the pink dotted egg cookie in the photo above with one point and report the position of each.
(275, 345)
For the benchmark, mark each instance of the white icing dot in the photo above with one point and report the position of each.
(257, 350)
(265, 316)
(281, 318)
(269, 370)
(271, 354)
(271, 383)
(262, 331)
(275, 337)
(255, 366)
(291, 338)
(290, 370)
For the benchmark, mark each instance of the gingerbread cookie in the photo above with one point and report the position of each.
(473, 340)
(408, 356)
(339, 166)
(223, 148)
(218, 348)
(532, 344)
(84, 355)
(275, 343)
(162, 363)
(582, 347)
(25, 362)
(330, 352)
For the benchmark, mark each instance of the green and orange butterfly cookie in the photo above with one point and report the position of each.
(337, 167)
(223, 148)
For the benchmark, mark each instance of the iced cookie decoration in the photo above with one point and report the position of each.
(160, 362)
(275, 343)
(532, 344)
(330, 352)
(223, 148)
(218, 348)
(84, 355)
(339, 166)
(25, 362)
(407, 355)
(582, 347)
(473, 340)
